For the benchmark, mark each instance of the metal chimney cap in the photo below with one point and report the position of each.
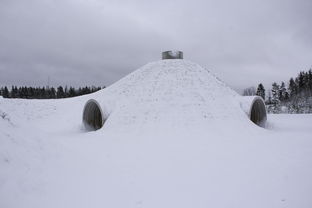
(172, 55)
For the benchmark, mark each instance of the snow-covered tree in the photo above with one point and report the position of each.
(275, 93)
(282, 92)
(292, 88)
(250, 91)
(261, 91)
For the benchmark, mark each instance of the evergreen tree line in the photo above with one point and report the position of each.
(293, 97)
(45, 92)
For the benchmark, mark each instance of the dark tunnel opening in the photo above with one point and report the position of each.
(92, 116)
(258, 113)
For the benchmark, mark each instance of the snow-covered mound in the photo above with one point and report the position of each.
(175, 136)
(169, 93)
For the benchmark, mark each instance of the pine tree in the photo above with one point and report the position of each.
(292, 88)
(71, 92)
(79, 91)
(53, 93)
(30, 92)
(66, 92)
(60, 92)
(310, 81)
(306, 82)
(275, 93)
(5, 92)
(261, 91)
(13, 94)
(286, 96)
(282, 92)
(300, 80)
(269, 101)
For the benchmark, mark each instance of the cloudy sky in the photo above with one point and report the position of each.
(97, 42)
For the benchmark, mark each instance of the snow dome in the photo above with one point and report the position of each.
(170, 92)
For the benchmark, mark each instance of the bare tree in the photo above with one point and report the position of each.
(249, 91)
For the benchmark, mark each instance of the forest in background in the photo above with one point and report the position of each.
(46, 92)
(295, 96)
(292, 97)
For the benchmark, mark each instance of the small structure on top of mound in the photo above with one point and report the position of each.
(170, 92)
(172, 55)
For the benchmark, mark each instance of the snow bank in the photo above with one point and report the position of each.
(174, 93)
(46, 160)
(175, 136)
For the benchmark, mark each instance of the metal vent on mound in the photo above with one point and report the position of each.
(172, 55)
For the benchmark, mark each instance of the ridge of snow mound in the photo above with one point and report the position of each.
(171, 93)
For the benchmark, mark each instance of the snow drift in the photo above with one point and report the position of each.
(170, 92)
(173, 135)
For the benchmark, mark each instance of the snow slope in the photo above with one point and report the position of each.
(169, 94)
(171, 140)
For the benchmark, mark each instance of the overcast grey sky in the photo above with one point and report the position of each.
(95, 42)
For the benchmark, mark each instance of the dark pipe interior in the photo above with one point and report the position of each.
(258, 113)
(92, 116)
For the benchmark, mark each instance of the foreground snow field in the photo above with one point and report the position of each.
(48, 160)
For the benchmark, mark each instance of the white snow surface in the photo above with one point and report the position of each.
(170, 94)
(176, 137)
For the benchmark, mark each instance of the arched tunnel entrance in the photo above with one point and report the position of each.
(258, 112)
(92, 116)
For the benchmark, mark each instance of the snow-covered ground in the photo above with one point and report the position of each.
(48, 160)
(176, 137)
